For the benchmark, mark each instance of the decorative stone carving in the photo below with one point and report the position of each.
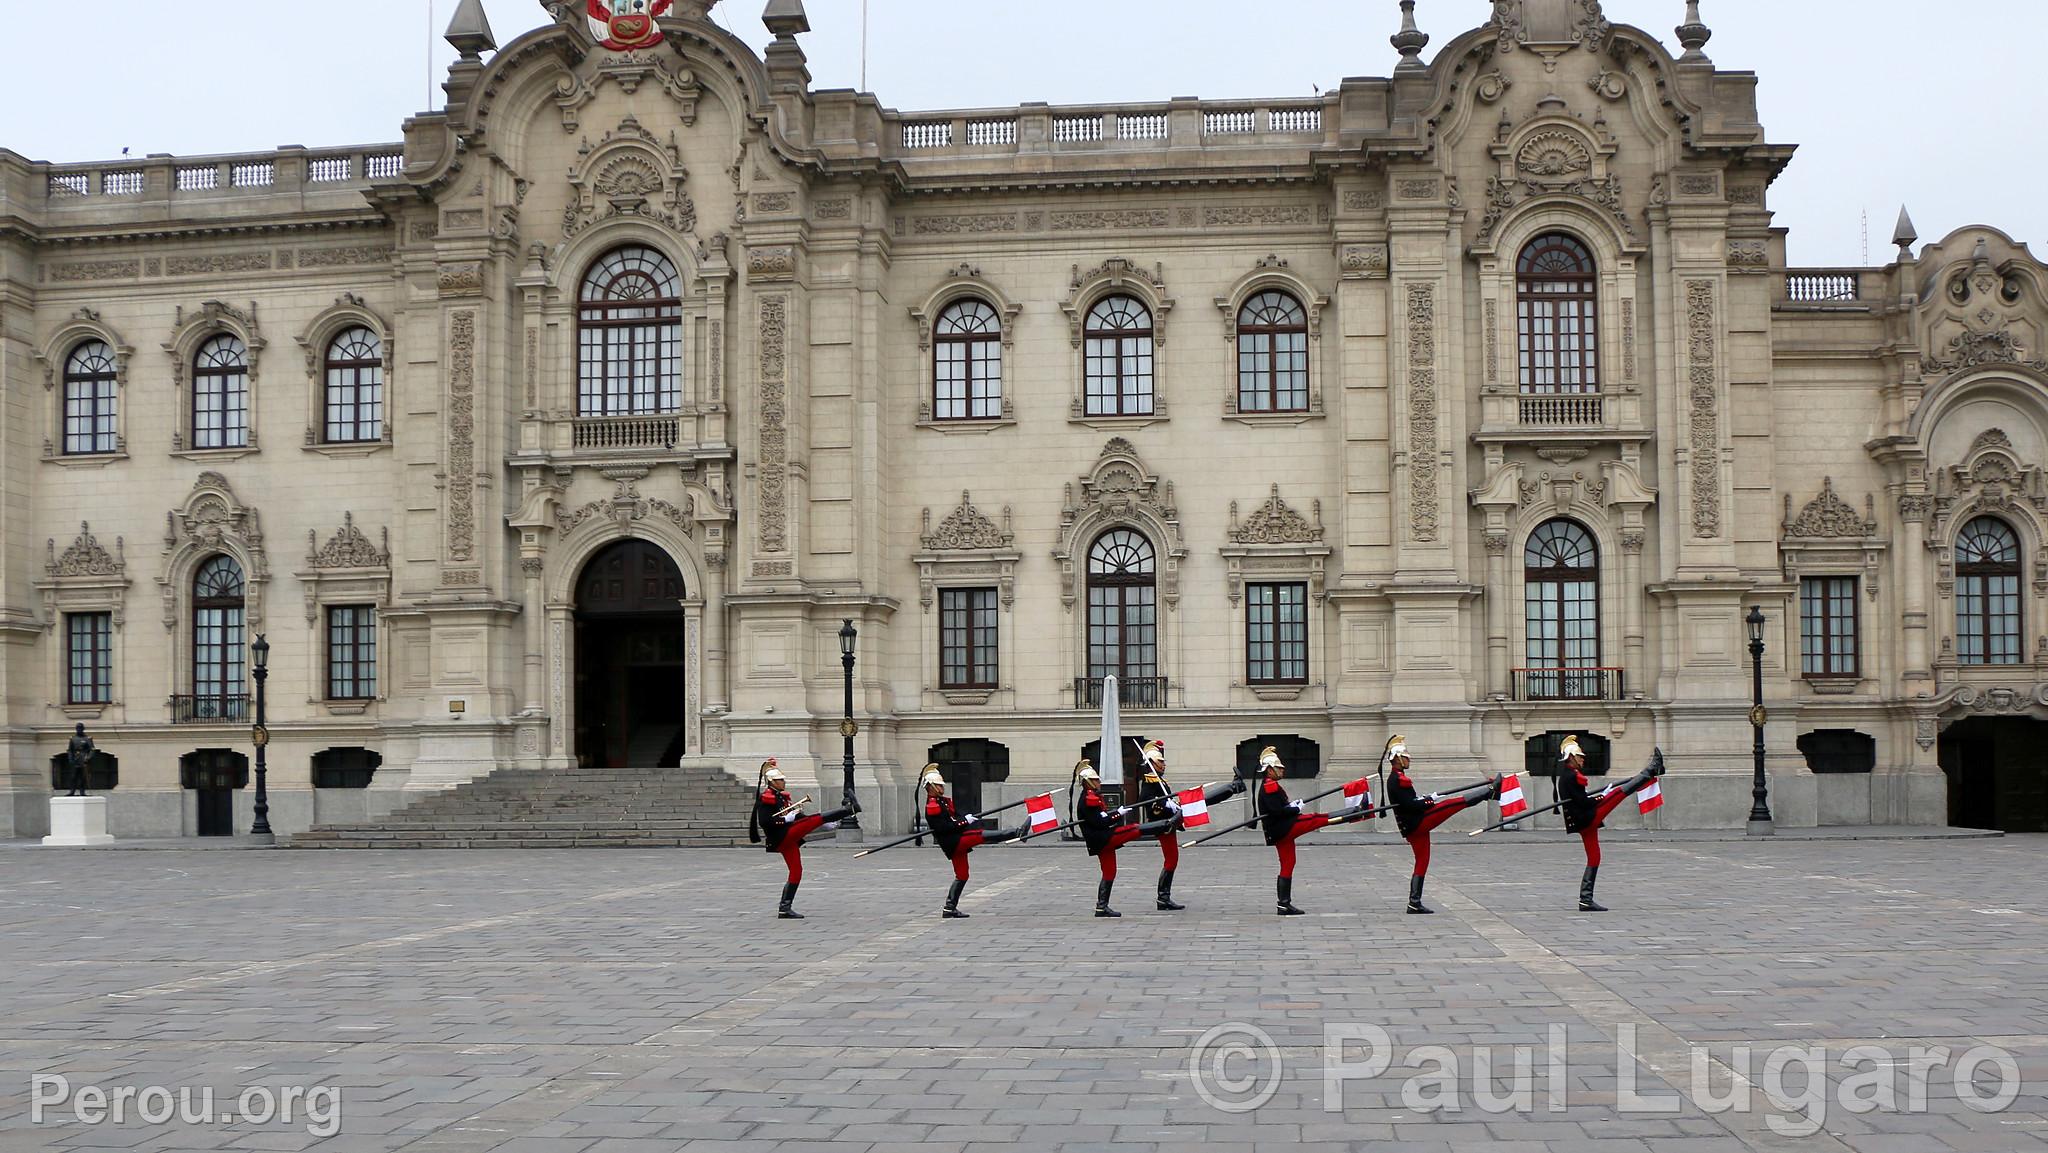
(1115, 274)
(1275, 522)
(212, 520)
(1091, 220)
(767, 264)
(629, 173)
(85, 577)
(773, 454)
(1553, 153)
(1364, 261)
(1492, 342)
(1418, 188)
(1492, 86)
(1748, 255)
(966, 528)
(462, 279)
(1973, 349)
(1582, 23)
(769, 203)
(85, 557)
(1829, 516)
(347, 548)
(625, 506)
(1362, 200)
(1703, 377)
(1423, 501)
(839, 208)
(461, 478)
(1699, 184)
(1118, 489)
(629, 71)
(1628, 338)
(954, 225)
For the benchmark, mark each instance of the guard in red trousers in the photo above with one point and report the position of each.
(779, 820)
(957, 834)
(1417, 815)
(1157, 802)
(1103, 829)
(1585, 812)
(1282, 821)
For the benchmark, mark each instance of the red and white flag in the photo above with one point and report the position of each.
(1512, 803)
(1358, 793)
(1194, 808)
(1043, 815)
(1650, 799)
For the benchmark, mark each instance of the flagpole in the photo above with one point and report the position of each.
(927, 832)
(863, 45)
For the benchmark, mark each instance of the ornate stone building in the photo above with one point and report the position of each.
(1475, 403)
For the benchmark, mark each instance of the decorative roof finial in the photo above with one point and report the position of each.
(1905, 235)
(1694, 35)
(1409, 41)
(470, 31)
(786, 18)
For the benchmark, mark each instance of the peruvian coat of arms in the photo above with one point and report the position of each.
(623, 24)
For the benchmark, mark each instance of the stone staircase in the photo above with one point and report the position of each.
(689, 806)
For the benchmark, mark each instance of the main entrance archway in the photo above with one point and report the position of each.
(631, 683)
(1997, 776)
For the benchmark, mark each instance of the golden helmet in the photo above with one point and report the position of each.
(1570, 748)
(932, 776)
(769, 771)
(1155, 752)
(1269, 758)
(1397, 746)
(1086, 772)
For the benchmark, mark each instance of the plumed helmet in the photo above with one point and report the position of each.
(1155, 751)
(1397, 746)
(769, 771)
(1269, 758)
(1570, 748)
(932, 776)
(1086, 772)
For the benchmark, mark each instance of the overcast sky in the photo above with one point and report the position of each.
(1940, 106)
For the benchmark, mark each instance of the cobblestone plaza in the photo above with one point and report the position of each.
(629, 1001)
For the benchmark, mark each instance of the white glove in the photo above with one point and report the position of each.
(1432, 798)
(1295, 805)
(969, 819)
(789, 818)
(1173, 806)
(1120, 810)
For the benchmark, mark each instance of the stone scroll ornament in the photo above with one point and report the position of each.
(623, 25)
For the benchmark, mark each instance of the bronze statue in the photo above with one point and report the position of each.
(79, 757)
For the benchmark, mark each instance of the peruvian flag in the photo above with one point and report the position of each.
(1358, 793)
(1194, 808)
(1651, 798)
(1043, 815)
(1512, 803)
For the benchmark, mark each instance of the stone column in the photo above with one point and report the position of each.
(717, 685)
(1498, 657)
(1915, 621)
(1632, 602)
(534, 608)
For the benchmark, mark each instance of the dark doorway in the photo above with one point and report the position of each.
(1303, 757)
(968, 764)
(629, 658)
(1839, 751)
(1997, 774)
(213, 775)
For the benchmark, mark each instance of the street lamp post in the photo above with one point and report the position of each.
(260, 735)
(1760, 789)
(848, 728)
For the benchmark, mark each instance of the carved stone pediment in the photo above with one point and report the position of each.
(966, 527)
(348, 548)
(629, 173)
(86, 557)
(1276, 522)
(1119, 490)
(1548, 24)
(1828, 516)
(212, 520)
(629, 71)
(85, 577)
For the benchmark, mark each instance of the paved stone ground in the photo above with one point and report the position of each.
(629, 1001)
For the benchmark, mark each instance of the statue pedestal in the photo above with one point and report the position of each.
(78, 821)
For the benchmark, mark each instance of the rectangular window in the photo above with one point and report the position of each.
(351, 653)
(89, 658)
(89, 417)
(967, 638)
(220, 409)
(1276, 634)
(1827, 626)
(355, 403)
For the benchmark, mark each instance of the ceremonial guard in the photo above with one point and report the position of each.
(1157, 802)
(1103, 831)
(780, 821)
(1282, 821)
(957, 835)
(1585, 812)
(1417, 815)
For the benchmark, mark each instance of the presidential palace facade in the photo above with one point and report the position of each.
(1476, 403)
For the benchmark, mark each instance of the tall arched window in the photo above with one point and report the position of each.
(1118, 345)
(1123, 625)
(1988, 593)
(1561, 574)
(1272, 354)
(1557, 338)
(629, 331)
(89, 384)
(220, 394)
(354, 397)
(967, 362)
(217, 651)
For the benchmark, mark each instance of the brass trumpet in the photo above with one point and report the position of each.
(793, 806)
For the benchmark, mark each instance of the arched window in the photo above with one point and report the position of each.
(1988, 593)
(967, 362)
(1118, 339)
(354, 396)
(1556, 334)
(217, 651)
(220, 394)
(1561, 571)
(1272, 354)
(89, 383)
(629, 334)
(1123, 626)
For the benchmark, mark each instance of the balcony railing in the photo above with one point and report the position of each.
(1560, 410)
(1569, 684)
(625, 433)
(1131, 692)
(1821, 287)
(232, 708)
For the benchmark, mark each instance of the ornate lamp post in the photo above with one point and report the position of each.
(1760, 789)
(848, 728)
(260, 735)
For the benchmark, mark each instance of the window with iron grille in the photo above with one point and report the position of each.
(967, 638)
(1561, 590)
(1557, 338)
(1988, 593)
(355, 387)
(1123, 628)
(89, 658)
(1118, 352)
(220, 394)
(967, 362)
(1827, 626)
(1272, 354)
(629, 332)
(89, 385)
(1276, 634)
(351, 652)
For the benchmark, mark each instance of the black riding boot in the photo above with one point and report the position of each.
(1102, 908)
(837, 815)
(789, 896)
(1166, 892)
(953, 899)
(1283, 890)
(1415, 904)
(1586, 902)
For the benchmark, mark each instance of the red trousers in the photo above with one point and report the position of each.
(1438, 813)
(969, 841)
(1124, 835)
(792, 848)
(1305, 823)
(1590, 835)
(1169, 851)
